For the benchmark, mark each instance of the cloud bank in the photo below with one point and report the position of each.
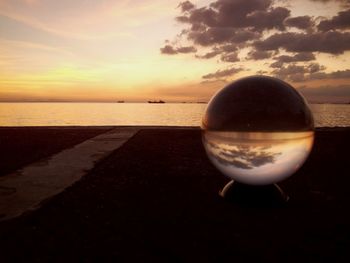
(240, 31)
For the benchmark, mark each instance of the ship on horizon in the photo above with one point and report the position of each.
(156, 101)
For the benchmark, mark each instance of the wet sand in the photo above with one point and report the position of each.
(155, 200)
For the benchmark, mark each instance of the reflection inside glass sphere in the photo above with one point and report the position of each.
(258, 158)
(258, 130)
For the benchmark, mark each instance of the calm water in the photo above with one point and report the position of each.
(168, 114)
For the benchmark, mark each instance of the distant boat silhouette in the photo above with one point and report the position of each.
(120, 101)
(154, 101)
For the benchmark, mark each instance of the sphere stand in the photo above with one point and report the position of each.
(254, 195)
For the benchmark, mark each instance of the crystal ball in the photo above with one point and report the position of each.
(258, 130)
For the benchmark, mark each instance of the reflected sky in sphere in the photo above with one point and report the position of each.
(258, 158)
(258, 130)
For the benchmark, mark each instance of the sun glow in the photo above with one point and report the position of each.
(102, 50)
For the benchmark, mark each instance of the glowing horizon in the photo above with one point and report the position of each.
(111, 50)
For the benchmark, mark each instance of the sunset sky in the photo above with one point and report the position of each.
(136, 50)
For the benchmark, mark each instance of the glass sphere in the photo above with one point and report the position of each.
(258, 130)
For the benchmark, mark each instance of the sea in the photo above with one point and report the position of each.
(136, 114)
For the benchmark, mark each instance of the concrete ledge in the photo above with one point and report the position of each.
(25, 189)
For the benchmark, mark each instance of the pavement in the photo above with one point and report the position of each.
(27, 188)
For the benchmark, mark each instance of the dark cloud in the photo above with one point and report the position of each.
(290, 70)
(205, 16)
(210, 54)
(211, 36)
(182, 19)
(262, 20)
(328, 42)
(170, 50)
(243, 22)
(221, 35)
(258, 55)
(303, 56)
(276, 64)
(186, 6)
(189, 49)
(229, 48)
(222, 73)
(241, 36)
(242, 156)
(263, 29)
(312, 71)
(225, 51)
(230, 57)
(228, 26)
(339, 74)
(341, 21)
(315, 67)
(301, 22)
(257, 14)
(298, 73)
(235, 13)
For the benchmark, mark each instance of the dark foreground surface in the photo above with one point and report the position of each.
(155, 200)
(21, 146)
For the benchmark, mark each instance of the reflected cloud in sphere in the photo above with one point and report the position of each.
(258, 130)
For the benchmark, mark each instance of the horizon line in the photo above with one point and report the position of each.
(146, 102)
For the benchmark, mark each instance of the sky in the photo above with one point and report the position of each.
(139, 50)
